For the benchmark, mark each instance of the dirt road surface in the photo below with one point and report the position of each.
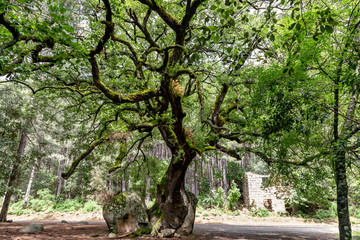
(208, 231)
(294, 232)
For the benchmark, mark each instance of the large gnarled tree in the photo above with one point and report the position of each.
(145, 66)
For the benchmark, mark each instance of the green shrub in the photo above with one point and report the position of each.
(236, 212)
(333, 208)
(204, 187)
(45, 194)
(215, 198)
(17, 209)
(331, 212)
(282, 214)
(233, 195)
(301, 214)
(220, 197)
(259, 212)
(69, 205)
(357, 213)
(91, 206)
(41, 205)
(324, 214)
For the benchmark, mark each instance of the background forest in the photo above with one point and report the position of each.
(100, 97)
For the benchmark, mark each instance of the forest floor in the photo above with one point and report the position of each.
(222, 227)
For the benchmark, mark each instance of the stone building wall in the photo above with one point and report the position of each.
(257, 194)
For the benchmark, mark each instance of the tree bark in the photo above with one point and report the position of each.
(79, 186)
(13, 177)
(172, 199)
(210, 170)
(123, 182)
(224, 180)
(147, 189)
(342, 195)
(196, 179)
(70, 190)
(247, 158)
(339, 151)
(59, 179)
(217, 183)
(28, 189)
(174, 207)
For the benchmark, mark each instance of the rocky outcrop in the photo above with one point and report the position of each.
(32, 228)
(125, 212)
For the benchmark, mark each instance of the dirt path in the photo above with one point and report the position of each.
(80, 230)
(222, 227)
(53, 230)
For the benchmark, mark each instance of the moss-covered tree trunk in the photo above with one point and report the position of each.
(174, 207)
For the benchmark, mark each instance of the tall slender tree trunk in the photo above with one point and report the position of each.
(210, 170)
(28, 189)
(59, 179)
(70, 190)
(48, 165)
(128, 184)
(217, 183)
(13, 176)
(79, 183)
(123, 182)
(201, 169)
(247, 157)
(342, 195)
(339, 155)
(193, 178)
(224, 180)
(147, 189)
(196, 179)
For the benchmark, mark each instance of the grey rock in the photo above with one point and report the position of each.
(32, 228)
(125, 212)
(167, 232)
(112, 235)
(84, 223)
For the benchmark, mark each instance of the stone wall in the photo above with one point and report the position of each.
(257, 194)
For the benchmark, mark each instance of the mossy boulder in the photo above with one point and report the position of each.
(125, 212)
(32, 228)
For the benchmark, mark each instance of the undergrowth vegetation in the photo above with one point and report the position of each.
(45, 202)
(218, 199)
(215, 203)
